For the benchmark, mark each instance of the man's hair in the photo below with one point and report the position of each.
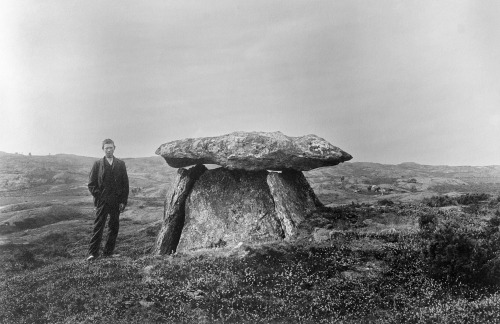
(107, 141)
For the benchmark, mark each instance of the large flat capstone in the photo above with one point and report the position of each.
(254, 151)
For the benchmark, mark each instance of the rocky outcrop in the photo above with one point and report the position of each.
(174, 212)
(254, 151)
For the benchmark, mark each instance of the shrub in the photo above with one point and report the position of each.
(453, 255)
(473, 209)
(495, 220)
(386, 202)
(439, 201)
(427, 222)
(469, 199)
(449, 255)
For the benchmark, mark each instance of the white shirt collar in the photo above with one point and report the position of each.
(110, 161)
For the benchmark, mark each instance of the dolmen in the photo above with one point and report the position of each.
(257, 194)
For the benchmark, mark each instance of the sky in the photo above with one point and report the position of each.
(387, 81)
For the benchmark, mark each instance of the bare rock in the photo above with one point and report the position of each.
(254, 151)
(293, 197)
(174, 212)
(321, 235)
(226, 207)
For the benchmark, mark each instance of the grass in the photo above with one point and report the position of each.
(362, 273)
(32, 216)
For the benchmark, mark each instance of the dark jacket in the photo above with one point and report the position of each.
(97, 186)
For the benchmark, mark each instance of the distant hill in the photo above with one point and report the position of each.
(379, 173)
(357, 181)
(66, 174)
(150, 177)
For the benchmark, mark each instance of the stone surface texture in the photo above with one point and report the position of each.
(293, 197)
(226, 207)
(174, 212)
(253, 151)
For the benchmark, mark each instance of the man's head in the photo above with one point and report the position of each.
(108, 146)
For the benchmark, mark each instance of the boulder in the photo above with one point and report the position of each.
(254, 151)
(174, 212)
(226, 207)
(293, 198)
(321, 235)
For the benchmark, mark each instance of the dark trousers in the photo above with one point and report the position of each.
(102, 212)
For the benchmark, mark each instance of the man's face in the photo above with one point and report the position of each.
(109, 149)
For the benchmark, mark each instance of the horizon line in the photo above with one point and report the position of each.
(154, 156)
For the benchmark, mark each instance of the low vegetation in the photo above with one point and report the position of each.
(466, 199)
(464, 250)
(384, 263)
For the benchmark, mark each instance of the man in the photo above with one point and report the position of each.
(108, 184)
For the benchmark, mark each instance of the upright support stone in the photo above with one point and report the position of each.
(226, 207)
(293, 198)
(174, 212)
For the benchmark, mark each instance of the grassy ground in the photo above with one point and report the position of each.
(352, 264)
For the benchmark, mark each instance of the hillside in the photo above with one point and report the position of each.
(67, 175)
(150, 177)
(364, 182)
(358, 261)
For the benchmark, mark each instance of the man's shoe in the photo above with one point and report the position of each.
(91, 258)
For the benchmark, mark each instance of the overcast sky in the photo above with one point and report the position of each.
(386, 81)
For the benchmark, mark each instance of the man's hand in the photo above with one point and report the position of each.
(122, 208)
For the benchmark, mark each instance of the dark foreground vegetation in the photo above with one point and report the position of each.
(384, 263)
(465, 199)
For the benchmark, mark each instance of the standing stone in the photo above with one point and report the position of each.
(174, 212)
(226, 207)
(293, 197)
